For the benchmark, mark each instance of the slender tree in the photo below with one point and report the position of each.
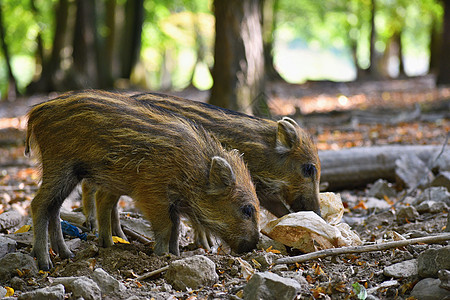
(238, 71)
(84, 54)
(444, 66)
(50, 65)
(12, 85)
(131, 38)
(269, 11)
(435, 46)
(373, 61)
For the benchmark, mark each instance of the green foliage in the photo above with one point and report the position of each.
(346, 23)
(21, 30)
(176, 32)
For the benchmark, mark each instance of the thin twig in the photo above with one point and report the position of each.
(152, 273)
(359, 249)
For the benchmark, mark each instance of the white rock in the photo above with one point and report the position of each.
(267, 286)
(80, 287)
(192, 272)
(428, 289)
(308, 232)
(48, 293)
(402, 269)
(106, 282)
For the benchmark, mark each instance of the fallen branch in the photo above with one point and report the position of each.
(152, 273)
(136, 236)
(359, 249)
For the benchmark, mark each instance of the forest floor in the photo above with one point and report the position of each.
(338, 115)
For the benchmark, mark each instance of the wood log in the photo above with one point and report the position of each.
(359, 166)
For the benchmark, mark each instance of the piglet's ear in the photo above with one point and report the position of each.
(221, 175)
(287, 136)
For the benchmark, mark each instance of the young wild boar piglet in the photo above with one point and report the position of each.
(169, 166)
(280, 155)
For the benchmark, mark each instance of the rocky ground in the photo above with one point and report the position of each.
(416, 271)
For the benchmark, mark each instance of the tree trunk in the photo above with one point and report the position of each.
(84, 50)
(269, 10)
(12, 85)
(110, 22)
(401, 63)
(40, 44)
(104, 44)
(200, 47)
(46, 82)
(131, 38)
(373, 69)
(435, 46)
(238, 55)
(444, 66)
(359, 166)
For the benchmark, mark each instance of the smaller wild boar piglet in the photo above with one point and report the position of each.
(168, 165)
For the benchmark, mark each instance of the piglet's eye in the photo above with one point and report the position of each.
(248, 210)
(309, 170)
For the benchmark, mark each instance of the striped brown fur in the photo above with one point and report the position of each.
(281, 156)
(168, 165)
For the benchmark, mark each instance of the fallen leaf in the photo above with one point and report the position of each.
(359, 290)
(23, 229)
(318, 292)
(9, 291)
(361, 205)
(117, 239)
(246, 269)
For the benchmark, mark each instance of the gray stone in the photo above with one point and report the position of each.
(12, 262)
(106, 282)
(192, 272)
(444, 277)
(266, 242)
(431, 207)
(17, 283)
(80, 287)
(405, 268)
(442, 179)
(267, 285)
(297, 276)
(372, 202)
(3, 292)
(407, 213)
(10, 219)
(261, 260)
(7, 245)
(410, 171)
(437, 194)
(433, 260)
(74, 244)
(22, 239)
(382, 188)
(428, 289)
(55, 292)
(443, 162)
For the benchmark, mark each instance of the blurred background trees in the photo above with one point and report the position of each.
(58, 45)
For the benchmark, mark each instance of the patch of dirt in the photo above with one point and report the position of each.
(330, 277)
